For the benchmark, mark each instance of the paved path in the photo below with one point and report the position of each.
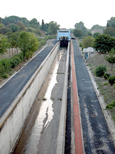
(96, 135)
(12, 88)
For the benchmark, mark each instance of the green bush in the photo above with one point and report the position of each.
(100, 70)
(6, 64)
(28, 54)
(1, 69)
(111, 80)
(105, 83)
(5, 75)
(21, 56)
(14, 61)
(106, 75)
(111, 105)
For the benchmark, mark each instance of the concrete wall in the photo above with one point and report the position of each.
(14, 118)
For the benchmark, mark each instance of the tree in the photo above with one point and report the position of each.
(3, 44)
(13, 39)
(27, 42)
(20, 25)
(0, 20)
(77, 33)
(53, 27)
(97, 27)
(96, 34)
(42, 26)
(87, 41)
(81, 27)
(46, 27)
(111, 58)
(2, 26)
(14, 27)
(111, 22)
(104, 43)
(14, 20)
(89, 34)
(34, 23)
(110, 31)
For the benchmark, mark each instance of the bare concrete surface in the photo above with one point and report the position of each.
(41, 129)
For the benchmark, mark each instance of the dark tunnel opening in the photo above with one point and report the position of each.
(63, 42)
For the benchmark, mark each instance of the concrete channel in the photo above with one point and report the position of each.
(44, 131)
(14, 109)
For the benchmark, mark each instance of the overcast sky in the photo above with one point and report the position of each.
(65, 13)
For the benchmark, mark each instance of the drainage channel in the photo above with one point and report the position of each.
(68, 113)
(40, 132)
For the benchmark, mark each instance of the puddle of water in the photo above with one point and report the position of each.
(45, 115)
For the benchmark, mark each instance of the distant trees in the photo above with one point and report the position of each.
(110, 31)
(2, 26)
(42, 26)
(13, 27)
(53, 27)
(96, 34)
(34, 23)
(87, 41)
(111, 22)
(110, 27)
(104, 43)
(20, 25)
(14, 19)
(80, 26)
(77, 33)
(97, 27)
(15, 24)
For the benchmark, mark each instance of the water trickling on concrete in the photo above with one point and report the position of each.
(45, 115)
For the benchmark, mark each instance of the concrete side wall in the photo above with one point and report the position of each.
(13, 124)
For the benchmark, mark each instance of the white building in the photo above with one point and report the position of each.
(89, 52)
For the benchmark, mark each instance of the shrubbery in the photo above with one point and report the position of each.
(106, 76)
(111, 105)
(111, 80)
(28, 54)
(100, 70)
(7, 64)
